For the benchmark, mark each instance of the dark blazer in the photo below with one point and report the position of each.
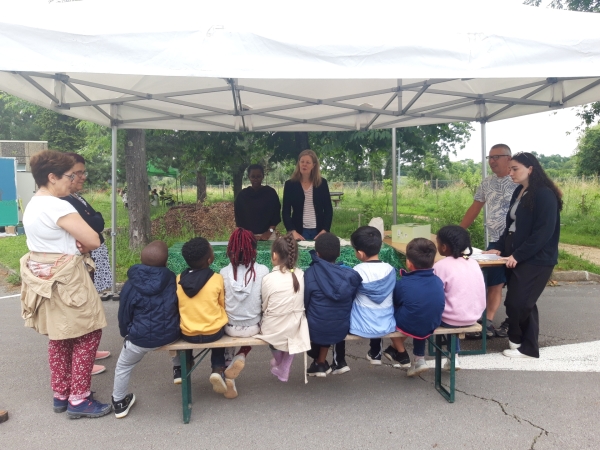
(293, 206)
(535, 240)
(329, 291)
(92, 217)
(149, 309)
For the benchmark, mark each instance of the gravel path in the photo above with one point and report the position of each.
(591, 254)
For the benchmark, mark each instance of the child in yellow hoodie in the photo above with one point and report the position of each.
(201, 297)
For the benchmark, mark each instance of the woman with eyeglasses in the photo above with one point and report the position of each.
(58, 298)
(530, 241)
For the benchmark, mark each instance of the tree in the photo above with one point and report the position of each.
(137, 189)
(588, 154)
(591, 112)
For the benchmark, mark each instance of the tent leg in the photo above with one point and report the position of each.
(483, 175)
(394, 180)
(113, 211)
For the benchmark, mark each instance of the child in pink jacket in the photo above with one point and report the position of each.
(462, 278)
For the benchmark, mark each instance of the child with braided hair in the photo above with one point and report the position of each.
(243, 280)
(462, 278)
(284, 324)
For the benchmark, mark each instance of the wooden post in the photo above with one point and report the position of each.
(137, 189)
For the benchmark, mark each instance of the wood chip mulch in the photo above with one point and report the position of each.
(205, 221)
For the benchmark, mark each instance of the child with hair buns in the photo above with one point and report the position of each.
(284, 324)
(462, 278)
(243, 302)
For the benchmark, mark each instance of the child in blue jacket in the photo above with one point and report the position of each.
(148, 317)
(419, 302)
(329, 290)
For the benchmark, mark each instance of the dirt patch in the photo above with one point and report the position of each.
(205, 221)
(591, 254)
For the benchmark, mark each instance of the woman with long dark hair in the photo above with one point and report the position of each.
(530, 242)
(307, 212)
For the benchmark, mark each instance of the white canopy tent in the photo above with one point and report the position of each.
(318, 66)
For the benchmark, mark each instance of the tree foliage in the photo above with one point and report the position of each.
(588, 155)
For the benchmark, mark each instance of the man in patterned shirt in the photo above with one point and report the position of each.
(496, 190)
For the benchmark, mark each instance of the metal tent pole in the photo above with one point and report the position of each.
(113, 206)
(483, 175)
(394, 179)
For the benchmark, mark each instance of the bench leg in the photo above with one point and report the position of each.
(448, 395)
(185, 358)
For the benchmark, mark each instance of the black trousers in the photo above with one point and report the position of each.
(526, 282)
(339, 351)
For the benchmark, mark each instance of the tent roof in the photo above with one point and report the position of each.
(153, 171)
(323, 66)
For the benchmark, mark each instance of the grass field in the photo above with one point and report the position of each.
(418, 203)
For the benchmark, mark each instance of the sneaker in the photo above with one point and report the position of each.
(177, 375)
(515, 353)
(88, 408)
(375, 360)
(122, 406)
(60, 406)
(237, 364)
(217, 379)
(231, 390)
(339, 368)
(98, 369)
(398, 359)
(513, 346)
(490, 330)
(502, 332)
(417, 367)
(102, 354)
(318, 370)
(456, 364)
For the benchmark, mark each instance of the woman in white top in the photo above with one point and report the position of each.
(307, 212)
(58, 295)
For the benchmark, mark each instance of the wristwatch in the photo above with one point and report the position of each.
(271, 230)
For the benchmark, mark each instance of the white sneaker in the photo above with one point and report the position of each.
(231, 389)
(513, 346)
(417, 367)
(515, 353)
(237, 364)
(456, 364)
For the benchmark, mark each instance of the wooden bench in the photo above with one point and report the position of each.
(185, 350)
(336, 198)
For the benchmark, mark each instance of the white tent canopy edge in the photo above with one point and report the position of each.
(187, 65)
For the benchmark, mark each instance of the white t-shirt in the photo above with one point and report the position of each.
(39, 221)
(309, 218)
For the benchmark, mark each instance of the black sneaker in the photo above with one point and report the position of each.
(122, 406)
(398, 359)
(491, 330)
(374, 359)
(339, 368)
(177, 375)
(502, 331)
(318, 370)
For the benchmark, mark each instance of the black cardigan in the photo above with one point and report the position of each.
(92, 217)
(535, 240)
(293, 206)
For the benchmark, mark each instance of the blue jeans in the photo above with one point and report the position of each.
(309, 233)
(449, 336)
(419, 347)
(217, 355)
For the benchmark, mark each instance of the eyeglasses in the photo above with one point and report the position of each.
(495, 157)
(523, 154)
(70, 176)
(81, 174)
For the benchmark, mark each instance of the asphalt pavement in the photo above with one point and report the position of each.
(368, 407)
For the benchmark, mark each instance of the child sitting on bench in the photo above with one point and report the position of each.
(284, 324)
(329, 290)
(148, 318)
(419, 303)
(464, 286)
(201, 297)
(243, 302)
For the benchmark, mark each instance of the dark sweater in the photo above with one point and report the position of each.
(419, 302)
(535, 240)
(329, 291)
(149, 309)
(293, 206)
(92, 217)
(257, 210)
